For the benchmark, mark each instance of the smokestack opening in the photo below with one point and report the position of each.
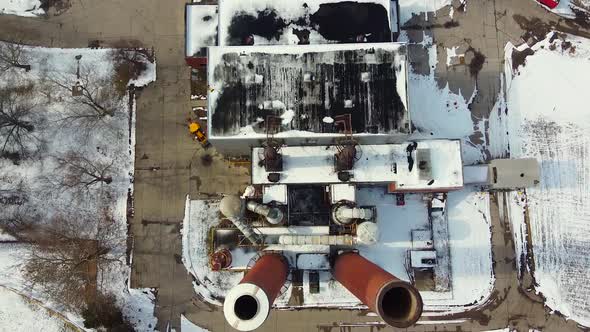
(399, 304)
(246, 307)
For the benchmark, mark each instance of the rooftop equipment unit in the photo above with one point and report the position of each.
(424, 164)
(273, 160)
(345, 157)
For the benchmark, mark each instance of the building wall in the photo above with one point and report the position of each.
(238, 146)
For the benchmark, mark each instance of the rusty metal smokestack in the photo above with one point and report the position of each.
(397, 302)
(248, 304)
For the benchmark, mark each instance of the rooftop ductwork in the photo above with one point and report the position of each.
(327, 240)
(247, 305)
(272, 214)
(233, 208)
(273, 160)
(397, 302)
(345, 213)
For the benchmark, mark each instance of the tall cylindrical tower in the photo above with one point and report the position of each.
(248, 304)
(397, 302)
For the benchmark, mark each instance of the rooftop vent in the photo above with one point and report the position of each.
(345, 157)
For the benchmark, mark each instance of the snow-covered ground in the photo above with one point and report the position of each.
(470, 247)
(566, 8)
(187, 326)
(21, 7)
(18, 313)
(550, 120)
(516, 206)
(199, 217)
(12, 257)
(44, 188)
(416, 7)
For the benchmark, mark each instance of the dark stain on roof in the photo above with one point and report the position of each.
(314, 85)
(343, 22)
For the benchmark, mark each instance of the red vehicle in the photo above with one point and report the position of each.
(549, 3)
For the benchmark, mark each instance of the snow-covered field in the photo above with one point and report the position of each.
(35, 179)
(17, 313)
(21, 7)
(550, 120)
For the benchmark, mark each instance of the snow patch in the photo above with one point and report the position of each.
(549, 121)
(287, 117)
(327, 119)
(188, 326)
(28, 8)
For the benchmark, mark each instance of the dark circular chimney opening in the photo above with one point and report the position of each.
(246, 307)
(397, 303)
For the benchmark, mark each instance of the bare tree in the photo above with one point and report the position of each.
(82, 172)
(20, 222)
(17, 129)
(93, 98)
(129, 63)
(13, 55)
(66, 260)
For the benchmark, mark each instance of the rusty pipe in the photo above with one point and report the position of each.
(247, 305)
(397, 302)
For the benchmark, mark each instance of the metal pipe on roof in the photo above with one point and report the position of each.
(397, 302)
(272, 214)
(328, 240)
(346, 215)
(233, 208)
(247, 305)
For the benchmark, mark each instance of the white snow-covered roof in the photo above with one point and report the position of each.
(276, 193)
(313, 262)
(375, 164)
(293, 14)
(476, 174)
(201, 28)
(342, 191)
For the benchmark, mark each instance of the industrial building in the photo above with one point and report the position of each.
(324, 120)
(307, 95)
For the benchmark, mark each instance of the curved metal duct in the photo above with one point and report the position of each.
(272, 214)
(233, 208)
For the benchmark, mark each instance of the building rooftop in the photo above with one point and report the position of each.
(437, 165)
(304, 88)
(201, 28)
(264, 22)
